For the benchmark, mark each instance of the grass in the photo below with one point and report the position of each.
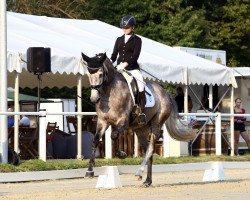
(39, 165)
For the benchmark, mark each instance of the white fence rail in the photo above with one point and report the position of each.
(108, 150)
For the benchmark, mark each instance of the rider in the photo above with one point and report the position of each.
(129, 47)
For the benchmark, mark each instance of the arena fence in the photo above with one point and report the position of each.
(217, 117)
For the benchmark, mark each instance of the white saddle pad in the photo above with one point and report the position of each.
(149, 97)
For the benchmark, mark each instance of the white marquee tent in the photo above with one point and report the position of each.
(241, 71)
(67, 38)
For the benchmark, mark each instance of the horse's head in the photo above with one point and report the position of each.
(96, 74)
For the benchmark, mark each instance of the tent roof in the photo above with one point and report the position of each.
(67, 38)
(241, 71)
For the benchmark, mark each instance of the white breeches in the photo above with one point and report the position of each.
(138, 76)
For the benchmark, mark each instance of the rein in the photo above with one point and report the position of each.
(96, 87)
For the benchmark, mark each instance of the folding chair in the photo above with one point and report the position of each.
(50, 130)
(11, 137)
(28, 142)
(51, 127)
(72, 124)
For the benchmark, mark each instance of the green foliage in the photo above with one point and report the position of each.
(202, 24)
(211, 24)
(51, 8)
(232, 32)
(63, 93)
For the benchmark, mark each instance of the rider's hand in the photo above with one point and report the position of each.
(121, 66)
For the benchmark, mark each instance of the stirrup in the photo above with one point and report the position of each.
(142, 119)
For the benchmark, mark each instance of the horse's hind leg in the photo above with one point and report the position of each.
(147, 160)
(149, 156)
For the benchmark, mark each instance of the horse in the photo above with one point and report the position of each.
(114, 105)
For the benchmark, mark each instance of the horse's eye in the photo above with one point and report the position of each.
(100, 76)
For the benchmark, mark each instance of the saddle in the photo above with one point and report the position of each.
(136, 96)
(134, 91)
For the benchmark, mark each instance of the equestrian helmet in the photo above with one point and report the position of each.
(127, 21)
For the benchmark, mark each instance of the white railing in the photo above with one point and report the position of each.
(108, 150)
(42, 128)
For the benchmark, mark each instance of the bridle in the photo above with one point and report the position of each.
(104, 77)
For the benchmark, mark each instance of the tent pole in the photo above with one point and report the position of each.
(79, 117)
(185, 99)
(3, 83)
(186, 93)
(17, 109)
(232, 121)
(210, 98)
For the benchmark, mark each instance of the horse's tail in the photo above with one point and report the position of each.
(177, 128)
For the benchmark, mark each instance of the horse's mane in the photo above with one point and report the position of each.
(109, 68)
(102, 61)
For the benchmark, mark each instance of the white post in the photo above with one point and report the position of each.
(185, 100)
(3, 83)
(210, 98)
(166, 147)
(136, 146)
(186, 93)
(232, 121)
(17, 109)
(79, 118)
(218, 135)
(108, 143)
(42, 135)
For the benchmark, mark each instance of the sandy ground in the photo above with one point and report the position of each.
(172, 185)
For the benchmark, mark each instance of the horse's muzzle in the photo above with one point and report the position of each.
(94, 97)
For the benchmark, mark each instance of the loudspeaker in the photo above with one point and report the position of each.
(38, 60)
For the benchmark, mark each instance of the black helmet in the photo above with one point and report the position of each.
(128, 21)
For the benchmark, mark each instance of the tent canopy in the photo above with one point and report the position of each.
(241, 71)
(67, 38)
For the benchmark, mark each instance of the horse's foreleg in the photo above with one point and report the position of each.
(95, 142)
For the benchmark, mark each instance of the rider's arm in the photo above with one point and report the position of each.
(115, 51)
(136, 52)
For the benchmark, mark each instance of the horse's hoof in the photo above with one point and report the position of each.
(89, 174)
(138, 178)
(147, 183)
(121, 155)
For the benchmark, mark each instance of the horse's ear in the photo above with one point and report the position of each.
(103, 57)
(86, 58)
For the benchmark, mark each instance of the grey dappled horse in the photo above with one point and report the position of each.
(114, 104)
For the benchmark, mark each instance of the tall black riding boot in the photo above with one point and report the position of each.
(142, 117)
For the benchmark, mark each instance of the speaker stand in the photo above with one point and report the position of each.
(39, 90)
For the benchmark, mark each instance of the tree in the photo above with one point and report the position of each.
(232, 32)
(211, 24)
(52, 8)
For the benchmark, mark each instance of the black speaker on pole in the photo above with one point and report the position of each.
(38, 60)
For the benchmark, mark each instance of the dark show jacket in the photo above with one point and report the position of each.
(128, 52)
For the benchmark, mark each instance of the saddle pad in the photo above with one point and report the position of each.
(149, 97)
